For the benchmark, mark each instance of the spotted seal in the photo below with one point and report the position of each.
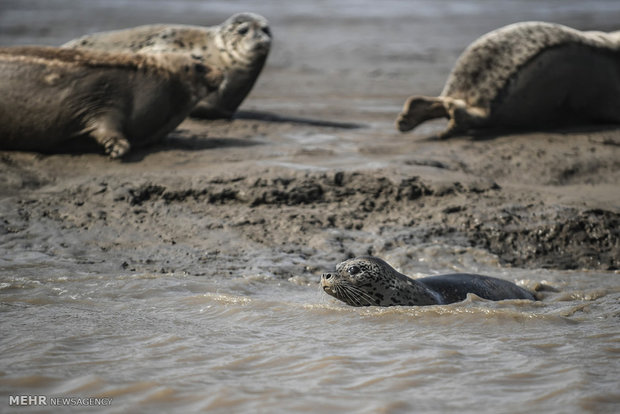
(526, 75)
(369, 281)
(51, 95)
(239, 47)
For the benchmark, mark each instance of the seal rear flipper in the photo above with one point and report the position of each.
(419, 109)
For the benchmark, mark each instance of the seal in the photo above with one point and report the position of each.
(239, 47)
(51, 95)
(369, 281)
(526, 75)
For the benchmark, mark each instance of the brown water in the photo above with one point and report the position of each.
(255, 343)
(231, 318)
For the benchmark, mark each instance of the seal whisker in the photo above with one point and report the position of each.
(360, 297)
(351, 299)
(341, 293)
(360, 294)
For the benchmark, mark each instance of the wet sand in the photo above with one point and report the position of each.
(311, 171)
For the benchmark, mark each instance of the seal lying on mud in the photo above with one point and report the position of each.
(239, 47)
(526, 75)
(50, 95)
(369, 281)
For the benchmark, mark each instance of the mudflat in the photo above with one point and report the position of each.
(185, 277)
(311, 167)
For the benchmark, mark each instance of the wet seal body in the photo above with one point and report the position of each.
(238, 47)
(526, 75)
(51, 95)
(369, 281)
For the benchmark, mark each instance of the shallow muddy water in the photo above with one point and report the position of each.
(261, 344)
(186, 278)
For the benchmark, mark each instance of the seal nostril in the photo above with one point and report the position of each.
(327, 276)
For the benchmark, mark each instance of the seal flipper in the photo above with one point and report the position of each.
(107, 132)
(462, 118)
(419, 109)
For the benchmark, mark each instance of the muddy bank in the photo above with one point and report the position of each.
(311, 168)
(202, 220)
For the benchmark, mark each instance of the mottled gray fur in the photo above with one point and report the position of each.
(527, 75)
(369, 281)
(238, 47)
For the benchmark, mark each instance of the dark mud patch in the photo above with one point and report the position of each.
(559, 238)
(172, 222)
(17, 176)
(525, 236)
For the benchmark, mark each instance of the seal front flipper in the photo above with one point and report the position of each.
(107, 132)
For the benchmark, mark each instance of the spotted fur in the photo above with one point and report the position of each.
(239, 47)
(370, 281)
(527, 74)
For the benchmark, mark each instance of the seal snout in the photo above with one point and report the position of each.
(262, 43)
(326, 281)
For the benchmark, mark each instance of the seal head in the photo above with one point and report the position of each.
(369, 281)
(242, 44)
(244, 38)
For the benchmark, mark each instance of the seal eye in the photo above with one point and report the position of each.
(242, 30)
(266, 31)
(353, 270)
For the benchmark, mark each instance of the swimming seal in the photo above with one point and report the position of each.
(526, 75)
(51, 95)
(238, 47)
(369, 281)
